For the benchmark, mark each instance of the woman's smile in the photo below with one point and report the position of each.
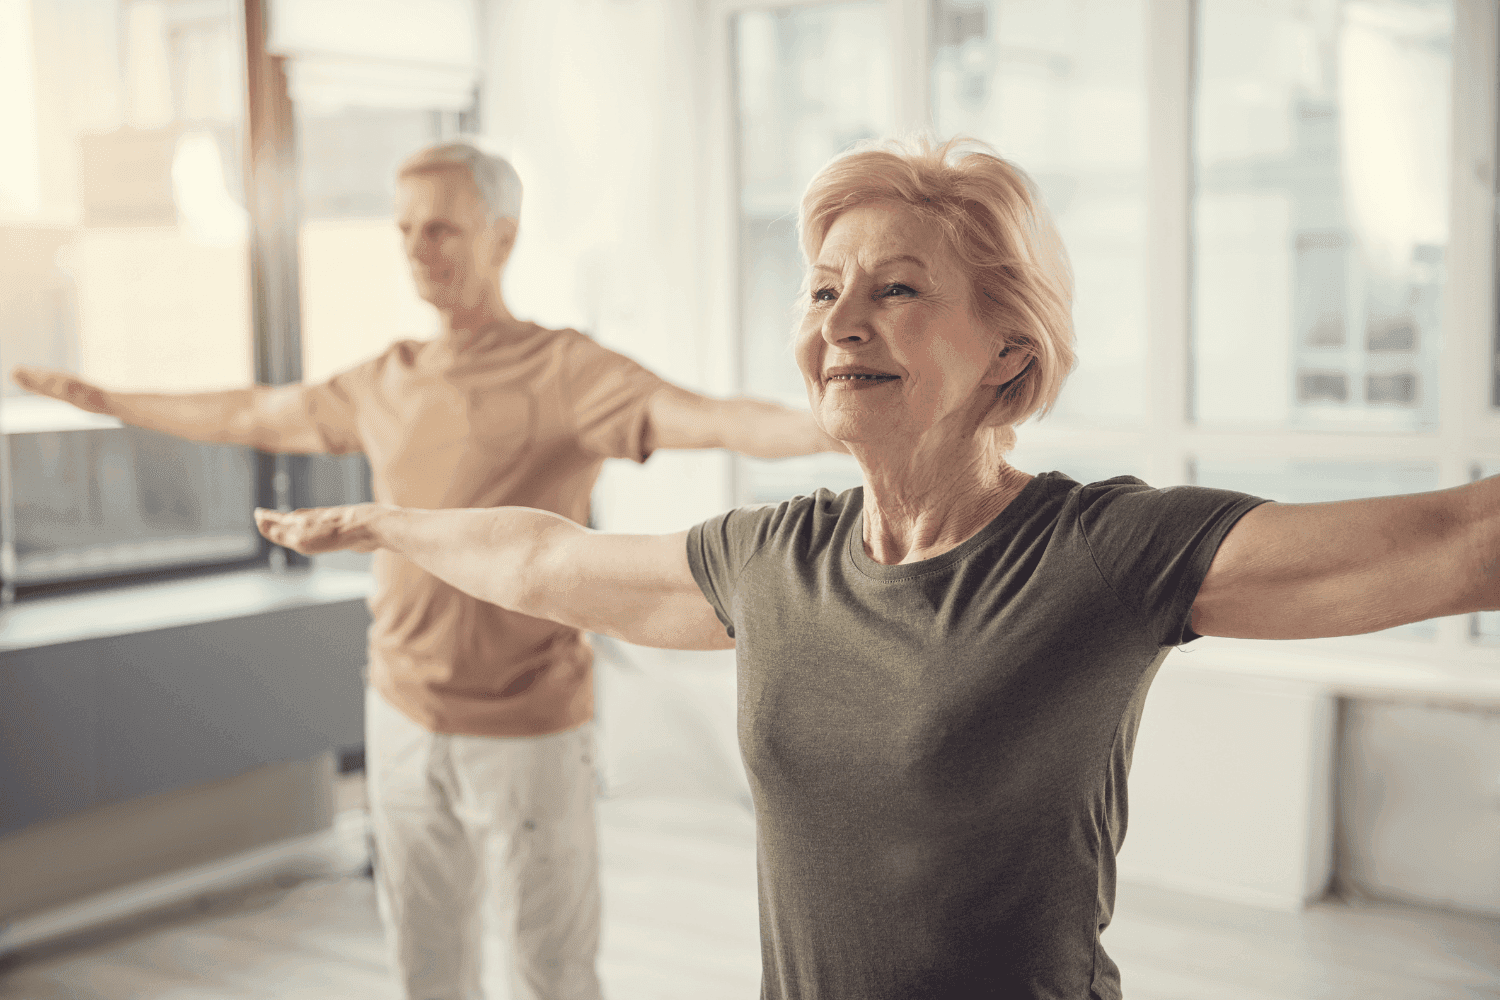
(858, 377)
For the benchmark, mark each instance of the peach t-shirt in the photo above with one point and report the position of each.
(527, 422)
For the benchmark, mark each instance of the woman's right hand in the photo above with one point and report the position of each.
(61, 385)
(315, 530)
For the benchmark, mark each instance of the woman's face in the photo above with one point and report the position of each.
(890, 347)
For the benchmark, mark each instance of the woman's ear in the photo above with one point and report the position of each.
(1007, 364)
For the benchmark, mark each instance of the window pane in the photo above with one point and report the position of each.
(1060, 88)
(1322, 481)
(811, 82)
(126, 259)
(1321, 211)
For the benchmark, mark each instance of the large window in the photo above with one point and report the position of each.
(126, 260)
(1322, 212)
(1283, 279)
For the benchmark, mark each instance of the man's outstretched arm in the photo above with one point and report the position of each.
(677, 418)
(265, 417)
(638, 588)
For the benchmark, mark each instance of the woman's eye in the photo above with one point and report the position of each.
(896, 288)
(824, 295)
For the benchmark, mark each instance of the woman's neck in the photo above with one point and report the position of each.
(917, 507)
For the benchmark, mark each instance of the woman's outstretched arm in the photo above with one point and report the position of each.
(1301, 571)
(634, 587)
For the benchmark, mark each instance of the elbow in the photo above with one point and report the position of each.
(536, 583)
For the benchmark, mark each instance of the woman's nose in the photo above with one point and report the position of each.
(847, 322)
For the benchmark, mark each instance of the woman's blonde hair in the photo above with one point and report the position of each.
(996, 224)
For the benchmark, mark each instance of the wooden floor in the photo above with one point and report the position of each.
(680, 924)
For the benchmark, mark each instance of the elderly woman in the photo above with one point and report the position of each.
(941, 672)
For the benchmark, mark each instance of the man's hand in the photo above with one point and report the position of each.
(61, 385)
(321, 529)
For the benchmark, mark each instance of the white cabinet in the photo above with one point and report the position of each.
(1419, 804)
(1230, 789)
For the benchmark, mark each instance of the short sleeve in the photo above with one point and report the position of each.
(609, 394)
(1154, 546)
(720, 548)
(330, 407)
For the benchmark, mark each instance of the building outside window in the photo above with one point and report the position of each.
(1322, 213)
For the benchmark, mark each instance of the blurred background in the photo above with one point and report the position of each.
(1281, 218)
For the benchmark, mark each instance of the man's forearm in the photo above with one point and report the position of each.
(270, 418)
(220, 417)
(766, 430)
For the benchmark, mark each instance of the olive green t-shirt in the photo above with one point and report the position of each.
(938, 750)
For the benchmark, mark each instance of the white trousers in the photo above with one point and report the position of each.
(462, 820)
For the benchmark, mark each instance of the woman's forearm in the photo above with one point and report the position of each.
(639, 588)
(496, 554)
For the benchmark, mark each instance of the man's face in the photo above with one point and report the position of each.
(454, 252)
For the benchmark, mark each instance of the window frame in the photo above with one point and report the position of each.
(1169, 441)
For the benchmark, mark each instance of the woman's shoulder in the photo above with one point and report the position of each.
(813, 511)
(804, 523)
(1134, 505)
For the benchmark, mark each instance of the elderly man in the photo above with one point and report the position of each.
(479, 741)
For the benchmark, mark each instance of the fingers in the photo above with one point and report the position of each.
(310, 531)
(272, 525)
(40, 380)
(60, 385)
(28, 378)
(289, 529)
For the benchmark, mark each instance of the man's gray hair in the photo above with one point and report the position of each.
(499, 185)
